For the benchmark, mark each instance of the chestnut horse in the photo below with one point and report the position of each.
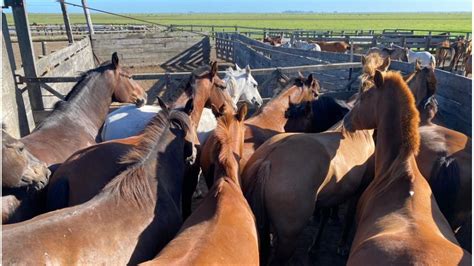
(132, 218)
(337, 47)
(268, 121)
(73, 125)
(222, 229)
(98, 164)
(443, 51)
(398, 219)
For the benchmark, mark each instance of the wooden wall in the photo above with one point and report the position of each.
(173, 51)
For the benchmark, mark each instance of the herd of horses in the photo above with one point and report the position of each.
(451, 53)
(90, 186)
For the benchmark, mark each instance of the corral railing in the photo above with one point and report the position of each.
(453, 94)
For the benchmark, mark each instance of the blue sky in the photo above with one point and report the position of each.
(255, 6)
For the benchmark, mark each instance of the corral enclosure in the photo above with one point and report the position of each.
(173, 50)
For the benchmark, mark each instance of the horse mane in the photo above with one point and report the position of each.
(224, 139)
(132, 184)
(79, 88)
(186, 85)
(409, 119)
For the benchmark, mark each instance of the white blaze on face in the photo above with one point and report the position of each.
(412, 193)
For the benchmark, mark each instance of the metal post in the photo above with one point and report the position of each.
(67, 25)
(43, 48)
(88, 18)
(26, 50)
(351, 41)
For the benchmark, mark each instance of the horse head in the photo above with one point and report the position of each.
(20, 167)
(125, 89)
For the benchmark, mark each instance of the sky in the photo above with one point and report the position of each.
(255, 6)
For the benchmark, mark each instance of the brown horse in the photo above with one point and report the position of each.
(337, 47)
(443, 51)
(460, 47)
(274, 41)
(222, 229)
(74, 124)
(100, 163)
(398, 219)
(330, 167)
(132, 218)
(267, 122)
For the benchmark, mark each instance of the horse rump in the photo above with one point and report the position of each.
(445, 182)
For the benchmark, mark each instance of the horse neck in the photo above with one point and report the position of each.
(199, 103)
(87, 109)
(397, 134)
(272, 115)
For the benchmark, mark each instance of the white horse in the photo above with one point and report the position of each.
(302, 45)
(426, 59)
(242, 86)
(129, 120)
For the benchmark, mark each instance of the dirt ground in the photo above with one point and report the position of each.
(326, 255)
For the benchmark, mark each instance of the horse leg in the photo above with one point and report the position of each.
(325, 213)
(342, 246)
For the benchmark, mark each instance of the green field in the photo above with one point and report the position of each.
(454, 22)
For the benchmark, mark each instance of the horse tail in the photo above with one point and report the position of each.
(256, 198)
(57, 194)
(445, 182)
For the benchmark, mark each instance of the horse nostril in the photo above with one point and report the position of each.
(140, 102)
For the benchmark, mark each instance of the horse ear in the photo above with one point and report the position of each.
(417, 65)
(214, 69)
(115, 60)
(248, 70)
(242, 112)
(188, 108)
(162, 104)
(217, 112)
(363, 59)
(301, 76)
(385, 64)
(237, 67)
(378, 78)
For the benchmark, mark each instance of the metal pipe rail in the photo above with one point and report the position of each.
(154, 76)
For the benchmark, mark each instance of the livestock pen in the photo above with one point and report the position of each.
(30, 92)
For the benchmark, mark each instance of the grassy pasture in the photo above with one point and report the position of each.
(454, 22)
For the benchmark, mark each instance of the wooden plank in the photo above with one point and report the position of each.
(47, 63)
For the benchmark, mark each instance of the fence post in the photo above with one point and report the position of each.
(26, 50)
(88, 18)
(66, 22)
(43, 48)
(351, 57)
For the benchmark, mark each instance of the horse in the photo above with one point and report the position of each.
(459, 47)
(242, 86)
(222, 228)
(299, 44)
(468, 59)
(316, 116)
(443, 51)
(373, 61)
(67, 186)
(130, 220)
(337, 47)
(274, 41)
(75, 123)
(407, 55)
(398, 219)
(266, 122)
(129, 121)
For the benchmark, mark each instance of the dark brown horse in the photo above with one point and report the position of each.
(132, 218)
(75, 123)
(443, 51)
(398, 219)
(222, 229)
(267, 122)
